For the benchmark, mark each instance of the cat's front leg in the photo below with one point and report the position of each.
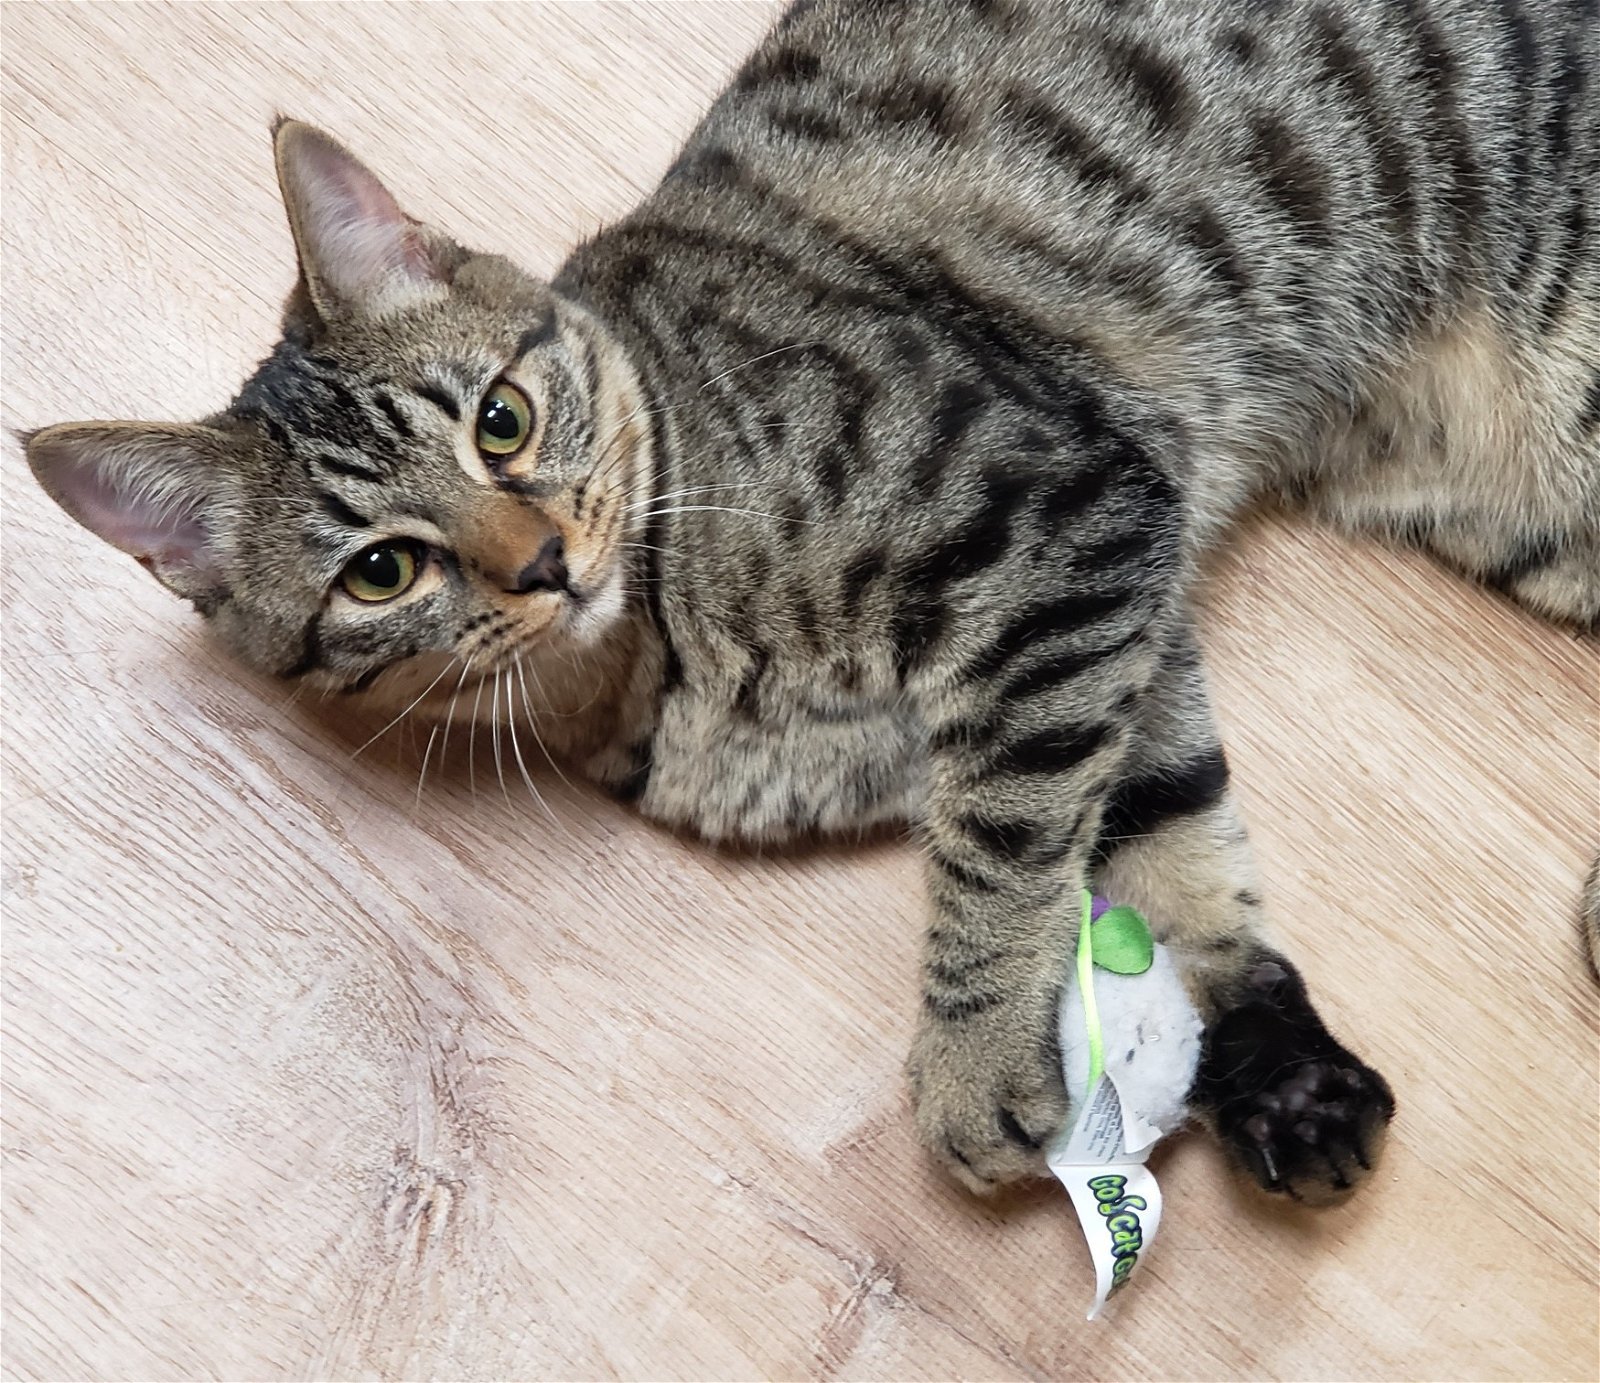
(1297, 1110)
(1020, 767)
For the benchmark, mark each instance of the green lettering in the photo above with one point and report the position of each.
(1123, 1203)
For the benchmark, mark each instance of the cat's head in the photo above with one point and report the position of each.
(433, 468)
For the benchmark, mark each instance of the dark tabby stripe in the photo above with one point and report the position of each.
(1139, 805)
(1291, 177)
(310, 649)
(1217, 250)
(1010, 839)
(1451, 135)
(534, 337)
(962, 1008)
(960, 406)
(342, 466)
(1057, 750)
(1156, 82)
(441, 399)
(391, 411)
(1065, 141)
(959, 973)
(1533, 553)
(1065, 615)
(785, 65)
(805, 123)
(341, 512)
(967, 878)
(1346, 68)
(858, 575)
(1063, 666)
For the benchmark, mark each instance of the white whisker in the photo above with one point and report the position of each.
(533, 723)
(422, 776)
(494, 728)
(516, 748)
(408, 710)
(611, 453)
(765, 355)
(450, 713)
(685, 493)
(472, 742)
(725, 509)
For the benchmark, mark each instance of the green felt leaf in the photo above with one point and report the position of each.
(1120, 942)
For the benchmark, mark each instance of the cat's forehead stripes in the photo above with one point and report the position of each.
(325, 415)
(347, 415)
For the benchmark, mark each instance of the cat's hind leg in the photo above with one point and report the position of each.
(1297, 1110)
(1554, 572)
(1483, 449)
(1547, 563)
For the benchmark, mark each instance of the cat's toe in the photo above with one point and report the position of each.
(986, 1109)
(1302, 1115)
(983, 1159)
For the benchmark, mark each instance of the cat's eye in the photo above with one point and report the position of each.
(382, 572)
(505, 418)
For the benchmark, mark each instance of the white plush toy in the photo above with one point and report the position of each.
(1130, 1045)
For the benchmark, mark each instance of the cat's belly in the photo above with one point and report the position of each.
(814, 770)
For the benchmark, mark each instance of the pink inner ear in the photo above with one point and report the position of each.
(358, 237)
(165, 530)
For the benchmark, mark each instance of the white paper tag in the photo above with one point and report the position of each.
(1114, 1193)
(1138, 1133)
(1096, 1137)
(1119, 1207)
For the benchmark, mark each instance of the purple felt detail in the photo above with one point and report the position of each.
(1097, 906)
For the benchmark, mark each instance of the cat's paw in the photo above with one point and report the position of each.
(987, 1091)
(1303, 1116)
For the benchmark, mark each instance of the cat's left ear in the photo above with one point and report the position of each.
(360, 254)
(159, 492)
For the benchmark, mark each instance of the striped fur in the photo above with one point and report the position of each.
(884, 436)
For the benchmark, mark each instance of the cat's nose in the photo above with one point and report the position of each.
(547, 571)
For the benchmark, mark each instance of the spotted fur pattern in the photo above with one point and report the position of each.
(884, 435)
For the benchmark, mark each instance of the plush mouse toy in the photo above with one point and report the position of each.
(1130, 1045)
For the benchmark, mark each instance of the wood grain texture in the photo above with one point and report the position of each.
(312, 1076)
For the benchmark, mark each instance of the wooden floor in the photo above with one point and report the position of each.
(310, 1075)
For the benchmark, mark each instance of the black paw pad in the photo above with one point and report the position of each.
(1302, 1115)
(1316, 1134)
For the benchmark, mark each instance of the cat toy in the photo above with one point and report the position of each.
(1130, 1047)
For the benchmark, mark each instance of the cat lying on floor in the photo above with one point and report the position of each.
(860, 473)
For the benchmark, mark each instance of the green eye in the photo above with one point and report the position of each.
(505, 418)
(381, 572)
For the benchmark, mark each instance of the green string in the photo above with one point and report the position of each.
(1091, 1014)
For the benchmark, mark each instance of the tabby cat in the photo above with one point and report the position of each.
(860, 473)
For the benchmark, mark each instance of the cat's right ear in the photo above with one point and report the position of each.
(359, 253)
(158, 492)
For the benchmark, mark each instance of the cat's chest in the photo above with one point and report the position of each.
(802, 764)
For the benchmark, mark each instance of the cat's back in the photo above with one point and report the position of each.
(925, 267)
(1306, 167)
